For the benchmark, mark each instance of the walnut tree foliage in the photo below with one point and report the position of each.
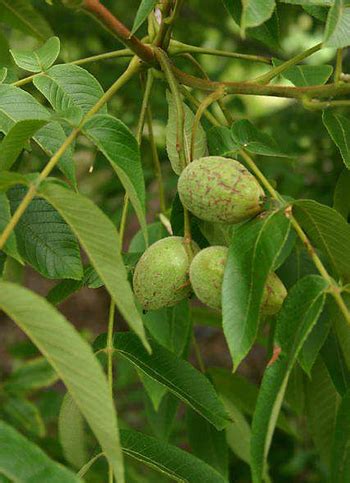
(134, 137)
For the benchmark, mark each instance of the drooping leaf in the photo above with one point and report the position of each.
(338, 127)
(44, 240)
(71, 433)
(72, 359)
(321, 409)
(327, 231)
(171, 136)
(24, 415)
(100, 240)
(254, 249)
(207, 443)
(340, 456)
(32, 375)
(247, 136)
(337, 32)
(174, 462)
(21, 15)
(120, 147)
(39, 59)
(16, 139)
(306, 75)
(145, 8)
(23, 461)
(180, 377)
(296, 319)
(67, 85)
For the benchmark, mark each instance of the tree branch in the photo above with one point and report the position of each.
(108, 20)
(250, 88)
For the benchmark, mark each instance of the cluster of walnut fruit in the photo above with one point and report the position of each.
(214, 189)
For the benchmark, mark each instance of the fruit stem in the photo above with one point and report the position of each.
(213, 97)
(180, 118)
(156, 161)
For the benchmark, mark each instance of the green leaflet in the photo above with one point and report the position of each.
(22, 461)
(66, 86)
(338, 127)
(180, 377)
(34, 374)
(171, 135)
(120, 147)
(306, 75)
(49, 246)
(40, 59)
(254, 249)
(71, 433)
(145, 8)
(16, 139)
(18, 105)
(337, 32)
(21, 15)
(327, 231)
(321, 410)
(207, 443)
(340, 457)
(168, 459)
(72, 359)
(10, 247)
(86, 221)
(296, 319)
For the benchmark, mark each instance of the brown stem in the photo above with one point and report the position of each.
(107, 19)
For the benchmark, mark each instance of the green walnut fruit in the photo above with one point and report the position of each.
(219, 189)
(207, 273)
(274, 295)
(161, 275)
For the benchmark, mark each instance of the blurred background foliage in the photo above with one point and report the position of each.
(311, 173)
